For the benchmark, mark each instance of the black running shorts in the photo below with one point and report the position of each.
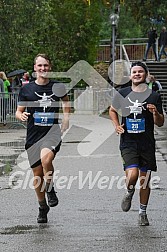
(144, 160)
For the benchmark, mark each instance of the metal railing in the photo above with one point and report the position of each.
(133, 48)
(8, 106)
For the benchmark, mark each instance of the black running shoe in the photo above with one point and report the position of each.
(143, 220)
(52, 198)
(42, 217)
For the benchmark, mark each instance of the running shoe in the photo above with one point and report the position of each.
(52, 198)
(143, 220)
(126, 202)
(42, 216)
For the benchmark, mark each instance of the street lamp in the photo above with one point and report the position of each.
(114, 21)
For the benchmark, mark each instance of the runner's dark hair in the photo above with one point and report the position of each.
(141, 64)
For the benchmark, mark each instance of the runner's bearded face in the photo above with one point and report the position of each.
(138, 75)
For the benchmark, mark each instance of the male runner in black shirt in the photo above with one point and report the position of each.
(140, 108)
(39, 106)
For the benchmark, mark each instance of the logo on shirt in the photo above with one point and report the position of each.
(46, 100)
(136, 108)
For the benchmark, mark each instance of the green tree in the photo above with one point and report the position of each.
(143, 11)
(66, 30)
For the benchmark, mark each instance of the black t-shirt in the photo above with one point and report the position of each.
(42, 102)
(152, 35)
(133, 105)
(162, 38)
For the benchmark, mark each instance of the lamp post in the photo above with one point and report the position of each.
(114, 21)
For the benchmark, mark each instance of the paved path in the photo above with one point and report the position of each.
(89, 217)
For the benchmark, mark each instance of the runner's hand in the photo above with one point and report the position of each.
(119, 129)
(24, 116)
(152, 108)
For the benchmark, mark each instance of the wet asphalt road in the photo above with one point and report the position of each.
(89, 217)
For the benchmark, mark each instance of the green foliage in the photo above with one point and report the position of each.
(7, 168)
(127, 25)
(135, 18)
(142, 11)
(67, 30)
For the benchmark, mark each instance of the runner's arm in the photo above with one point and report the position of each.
(158, 118)
(66, 112)
(114, 117)
(21, 114)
